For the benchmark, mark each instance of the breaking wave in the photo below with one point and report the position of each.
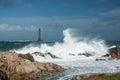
(71, 45)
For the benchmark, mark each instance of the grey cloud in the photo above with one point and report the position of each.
(111, 13)
(101, 0)
(29, 6)
(113, 24)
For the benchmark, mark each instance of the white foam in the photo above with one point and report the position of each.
(71, 45)
(75, 64)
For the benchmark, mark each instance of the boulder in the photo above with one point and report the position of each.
(114, 53)
(23, 66)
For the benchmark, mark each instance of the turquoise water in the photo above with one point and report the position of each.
(10, 45)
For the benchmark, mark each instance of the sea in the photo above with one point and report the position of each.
(69, 51)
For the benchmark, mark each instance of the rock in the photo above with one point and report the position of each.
(39, 53)
(45, 54)
(77, 77)
(85, 54)
(71, 54)
(51, 55)
(107, 55)
(26, 56)
(3, 76)
(21, 67)
(99, 59)
(114, 53)
(53, 67)
(40, 66)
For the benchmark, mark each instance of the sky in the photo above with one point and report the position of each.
(20, 19)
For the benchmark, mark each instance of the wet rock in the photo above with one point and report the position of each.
(45, 54)
(51, 55)
(39, 54)
(99, 59)
(113, 53)
(26, 56)
(85, 54)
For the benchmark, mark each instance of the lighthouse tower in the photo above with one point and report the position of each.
(39, 35)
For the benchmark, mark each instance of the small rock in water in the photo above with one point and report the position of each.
(85, 54)
(99, 59)
(45, 54)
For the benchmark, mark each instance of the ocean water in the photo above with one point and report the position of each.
(71, 44)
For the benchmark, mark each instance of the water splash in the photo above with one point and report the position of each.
(71, 45)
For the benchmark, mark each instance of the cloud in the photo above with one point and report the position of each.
(29, 6)
(6, 27)
(111, 13)
(8, 3)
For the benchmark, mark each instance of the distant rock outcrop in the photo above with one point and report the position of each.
(45, 54)
(21, 66)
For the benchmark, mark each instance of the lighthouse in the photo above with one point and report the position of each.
(39, 35)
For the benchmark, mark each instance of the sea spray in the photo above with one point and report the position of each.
(70, 45)
(74, 64)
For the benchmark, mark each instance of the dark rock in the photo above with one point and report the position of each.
(107, 55)
(85, 54)
(45, 54)
(26, 56)
(51, 55)
(113, 53)
(39, 53)
(3, 76)
(99, 59)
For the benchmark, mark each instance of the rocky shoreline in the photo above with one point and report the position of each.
(24, 67)
(14, 66)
